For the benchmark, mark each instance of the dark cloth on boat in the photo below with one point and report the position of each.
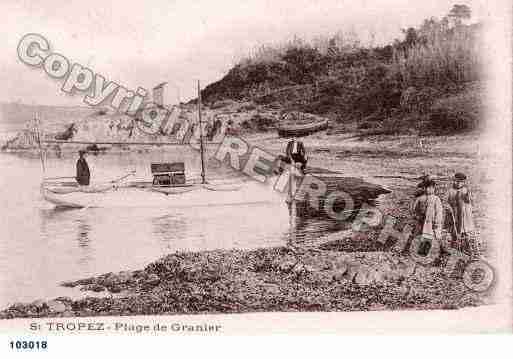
(83, 174)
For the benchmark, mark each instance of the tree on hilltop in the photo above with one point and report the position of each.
(459, 13)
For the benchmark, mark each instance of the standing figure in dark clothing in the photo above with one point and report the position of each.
(83, 174)
(296, 153)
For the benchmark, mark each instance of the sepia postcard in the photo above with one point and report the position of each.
(255, 167)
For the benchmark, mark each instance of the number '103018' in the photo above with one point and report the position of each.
(28, 345)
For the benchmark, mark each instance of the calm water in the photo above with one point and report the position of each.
(41, 246)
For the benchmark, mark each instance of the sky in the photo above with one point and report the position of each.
(145, 43)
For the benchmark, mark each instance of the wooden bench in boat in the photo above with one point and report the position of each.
(168, 174)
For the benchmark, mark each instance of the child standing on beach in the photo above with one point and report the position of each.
(428, 212)
(460, 203)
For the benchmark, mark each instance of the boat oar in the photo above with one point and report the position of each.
(123, 177)
(57, 178)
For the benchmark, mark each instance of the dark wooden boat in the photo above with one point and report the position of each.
(302, 124)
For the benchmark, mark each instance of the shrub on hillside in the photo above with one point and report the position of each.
(221, 103)
(259, 123)
(445, 56)
(396, 125)
(364, 90)
(263, 123)
(304, 63)
(366, 125)
(320, 107)
(376, 91)
(456, 113)
(418, 100)
(248, 106)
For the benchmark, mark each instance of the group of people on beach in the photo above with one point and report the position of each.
(428, 211)
(427, 208)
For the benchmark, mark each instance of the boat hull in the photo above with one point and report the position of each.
(174, 190)
(56, 189)
(298, 130)
(197, 195)
(291, 131)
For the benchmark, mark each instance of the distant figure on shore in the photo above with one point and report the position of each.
(83, 174)
(429, 214)
(460, 202)
(296, 153)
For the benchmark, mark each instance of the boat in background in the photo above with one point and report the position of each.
(301, 124)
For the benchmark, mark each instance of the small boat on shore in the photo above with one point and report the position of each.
(299, 124)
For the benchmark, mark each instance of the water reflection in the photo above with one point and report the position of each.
(50, 219)
(169, 228)
(57, 222)
(83, 240)
(57, 212)
(83, 233)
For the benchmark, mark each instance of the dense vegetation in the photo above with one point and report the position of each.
(427, 81)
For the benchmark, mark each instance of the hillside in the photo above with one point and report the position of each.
(427, 82)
